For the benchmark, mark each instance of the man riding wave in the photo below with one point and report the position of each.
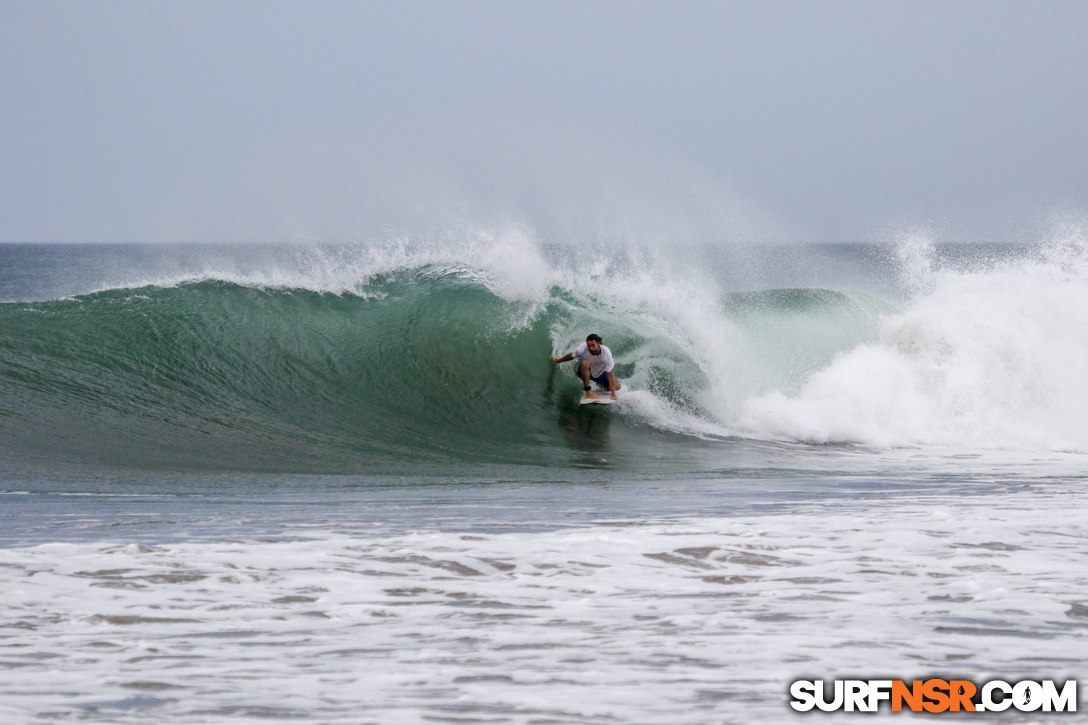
(594, 364)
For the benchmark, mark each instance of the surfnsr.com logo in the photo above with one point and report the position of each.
(933, 696)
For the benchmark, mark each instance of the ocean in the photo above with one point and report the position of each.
(345, 484)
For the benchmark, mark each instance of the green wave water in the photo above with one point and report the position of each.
(421, 367)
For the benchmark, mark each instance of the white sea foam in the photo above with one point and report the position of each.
(990, 358)
(693, 621)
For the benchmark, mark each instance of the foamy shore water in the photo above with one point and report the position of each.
(688, 621)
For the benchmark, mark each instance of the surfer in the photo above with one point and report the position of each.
(594, 364)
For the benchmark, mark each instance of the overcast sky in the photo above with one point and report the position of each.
(717, 121)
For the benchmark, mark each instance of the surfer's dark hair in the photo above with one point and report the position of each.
(593, 336)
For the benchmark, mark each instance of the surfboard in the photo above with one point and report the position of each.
(602, 399)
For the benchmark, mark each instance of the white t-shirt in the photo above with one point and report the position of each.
(598, 364)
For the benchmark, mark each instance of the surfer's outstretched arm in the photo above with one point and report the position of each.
(565, 358)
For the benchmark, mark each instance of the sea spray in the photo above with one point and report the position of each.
(988, 357)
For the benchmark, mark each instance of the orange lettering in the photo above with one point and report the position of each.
(935, 691)
(912, 695)
(961, 693)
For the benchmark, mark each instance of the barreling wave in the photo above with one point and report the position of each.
(407, 360)
(426, 365)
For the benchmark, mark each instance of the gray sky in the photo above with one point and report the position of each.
(584, 121)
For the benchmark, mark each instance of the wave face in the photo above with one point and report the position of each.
(220, 374)
(393, 359)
